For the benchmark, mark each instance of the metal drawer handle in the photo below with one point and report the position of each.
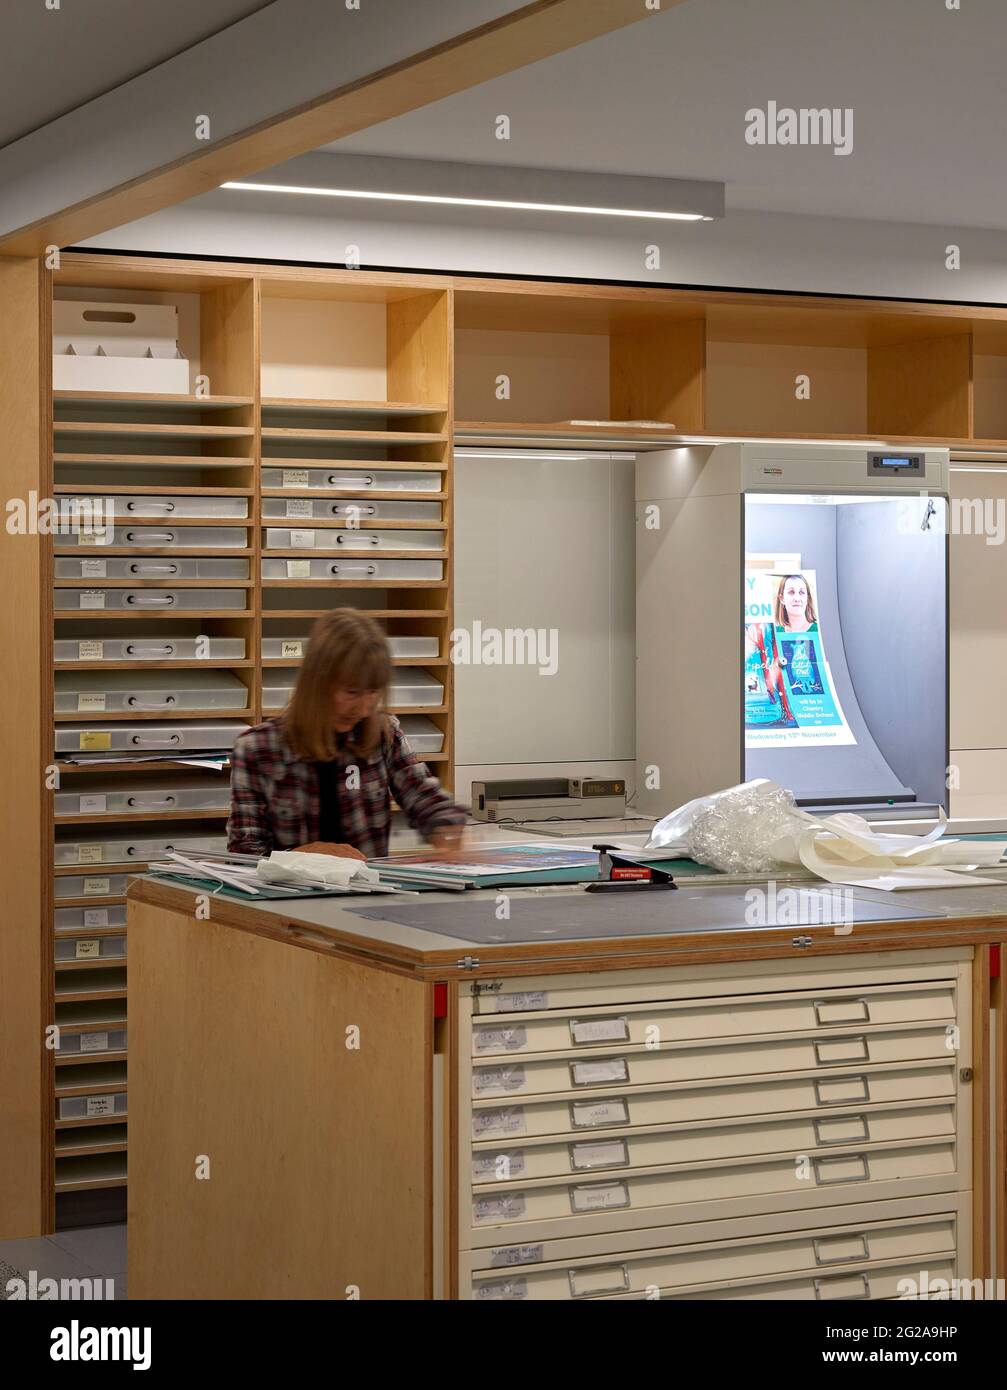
(821, 1258)
(820, 1139)
(351, 509)
(357, 541)
(821, 1163)
(620, 1283)
(157, 506)
(162, 704)
(151, 600)
(167, 536)
(166, 650)
(164, 801)
(367, 480)
(143, 567)
(139, 741)
(843, 1298)
(820, 1004)
(367, 570)
(841, 1061)
(841, 1100)
(168, 849)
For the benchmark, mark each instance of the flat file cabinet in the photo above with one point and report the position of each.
(703, 1114)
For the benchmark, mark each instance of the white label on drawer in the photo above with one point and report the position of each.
(508, 1208)
(516, 1255)
(517, 1003)
(291, 648)
(612, 1154)
(96, 916)
(498, 1079)
(600, 1196)
(591, 1114)
(509, 1119)
(93, 802)
(99, 1105)
(91, 704)
(94, 1042)
(586, 1030)
(99, 887)
(88, 949)
(302, 540)
(299, 506)
(600, 1072)
(295, 477)
(90, 854)
(500, 1039)
(90, 651)
(93, 537)
(298, 569)
(92, 598)
(501, 1167)
(93, 569)
(501, 1289)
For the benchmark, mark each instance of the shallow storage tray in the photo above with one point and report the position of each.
(150, 600)
(277, 689)
(422, 734)
(100, 796)
(84, 948)
(361, 509)
(151, 841)
(163, 569)
(149, 647)
(147, 692)
(351, 539)
(136, 738)
(410, 686)
(76, 1042)
(96, 886)
(170, 537)
(126, 507)
(81, 919)
(364, 570)
(102, 1105)
(294, 645)
(360, 479)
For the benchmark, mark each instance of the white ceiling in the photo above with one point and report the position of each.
(669, 97)
(57, 59)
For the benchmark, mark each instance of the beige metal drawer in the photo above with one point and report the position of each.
(691, 1102)
(890, 1282)
(728, 1016)
(815, 1254)
(842, 1170)
(797, 1134)
(695, 1061)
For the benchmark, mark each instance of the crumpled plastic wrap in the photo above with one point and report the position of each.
(751, 828)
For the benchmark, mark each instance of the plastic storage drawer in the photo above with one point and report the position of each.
(363, 510)
(151, 600)
(163, 569)
(147, 692)
(277, 688)
(127, 507)
(422, 734)
(293, 645)
(81, 1043)
(116, 847)
(332, 538)
(91, 886)
(80, 919)
(353, 479)
(372, 569)
(115, 796)
(410, 686)
(173, 537)
(96, 1107)
(136, 738)
(150, 648)
(82, 948)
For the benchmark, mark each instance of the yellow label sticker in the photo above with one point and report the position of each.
(95, 740)
(89, 949)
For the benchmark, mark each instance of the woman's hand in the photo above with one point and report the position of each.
(338, 851)
(446, 839)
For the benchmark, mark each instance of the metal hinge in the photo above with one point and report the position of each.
(801, 941)
(467, 963)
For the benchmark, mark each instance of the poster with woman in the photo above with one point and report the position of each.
(790, 696)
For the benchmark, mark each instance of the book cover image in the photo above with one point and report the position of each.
(790, 696)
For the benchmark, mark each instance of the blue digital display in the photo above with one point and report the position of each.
(882, 464)
(891, 461)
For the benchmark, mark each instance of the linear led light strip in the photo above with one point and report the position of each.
(466, 202)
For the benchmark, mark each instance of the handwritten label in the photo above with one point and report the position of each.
(89, 949)
(93, 569)
(89, 536)
(90, 704)
(96, 916)
(516, 1255)
(90, 651)
(505, 1208)
(299, 506)
(295, 477)
(99, 1105)
(593, 1030)
(95, 740)
(599, 1196)
(600, 1073)
(94, 1042)
(509, 1119)
(589, 1114)
(99, 887)
(90, 854)
(612, 1154)
(501, 1290)
(499, 1166)
(517, 1003)
(302, 540)
(500, 1039)
(93, 802)
(498, 1079)
(291, 649)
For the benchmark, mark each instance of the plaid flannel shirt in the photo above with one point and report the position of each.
(275, 801)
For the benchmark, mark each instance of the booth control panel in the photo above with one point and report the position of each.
(889, 465)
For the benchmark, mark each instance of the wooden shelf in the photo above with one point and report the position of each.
(354, 465)
(168, 582)
(295, 405)
(333, 523)
(87, 1174)
(202, 552)
(72, 1144)
(386, 437)
(152, 490)
(160, 616)
(273, 613)
(421, 661)
(118, 717)
(128, 765)
(72, 1060)
(153, 399)
(193, 461)
(118, 429)
(343, 494)
(105, 1076)
(351, 555)
(131, 817)
(353, 584)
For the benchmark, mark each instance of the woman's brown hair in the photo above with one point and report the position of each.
(346, 650)
(781, 613)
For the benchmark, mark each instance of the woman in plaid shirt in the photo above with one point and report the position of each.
(322, 776)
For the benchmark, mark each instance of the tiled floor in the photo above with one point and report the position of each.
(98, 1252)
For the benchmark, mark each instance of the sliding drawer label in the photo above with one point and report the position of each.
(94, 1042)
(90, 854)
(592, 1114)
(517, 1003)
(96, 916)
(500, 1166)
(516, 1255)
(93, 569)
(91, 704)
(98, 887)
(298, 506)
(92, 599)
(95, 741)
(295, 477)
(500, 1039)
(90, 651)
(510, 1207)
(298, 569)
(93, 802)
(595, 1279)
(500, 1289)
(99, 1105)
(509, 1119)
(600, 1073)
(595, 1030)
(288, 649)
(613, 1154)
(87, 949)
(498, 1079)
(599, 1196)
